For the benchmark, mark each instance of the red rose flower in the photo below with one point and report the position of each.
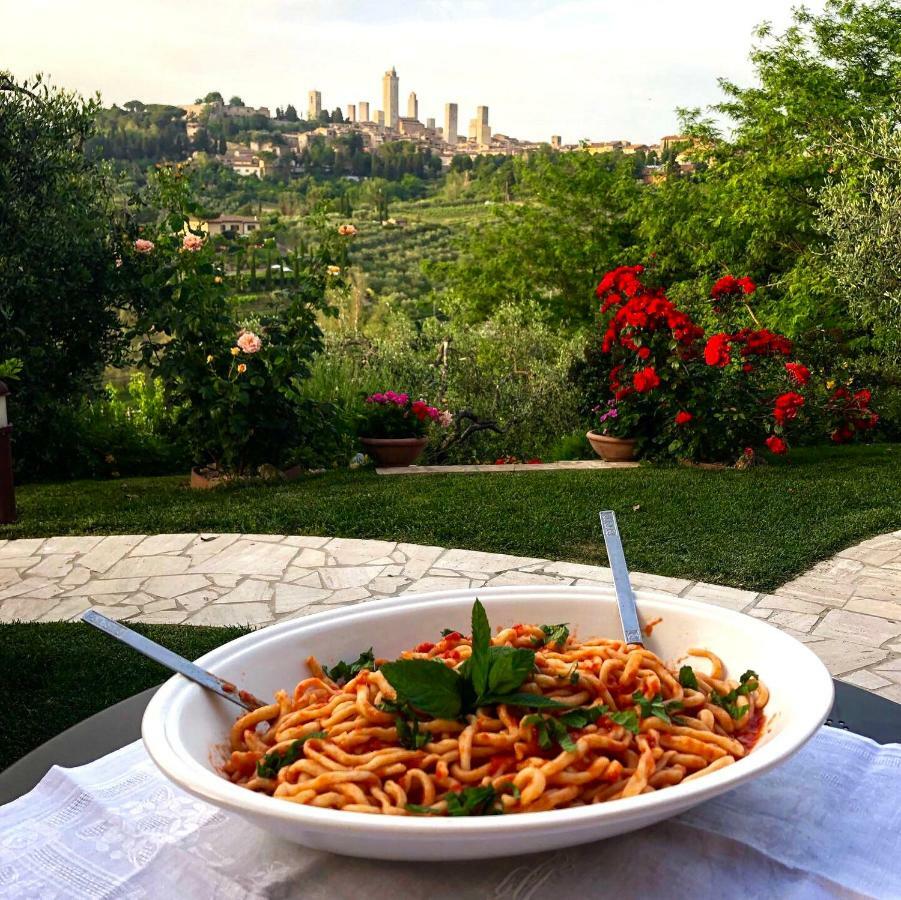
(787, 406)
(646, 380)
(842, 434)
(726, 286)
(747, 367)
(683, 417)
(716, 352)
(644, 352)
(729, 286)
(800, 373)
(776, 445)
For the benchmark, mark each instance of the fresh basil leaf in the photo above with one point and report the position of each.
(747, 685)
(687, 678)
(530, 701)
(583, 715)
(448, 631)
(406, 724)
(473, 801)
(342, 672)
(508, 668)
(555, 634)
(574, 675)
(417, 808)
(542, 734)
(427, 685)
(627, 718)
(271, 763)
(655, 706)
(480, 661)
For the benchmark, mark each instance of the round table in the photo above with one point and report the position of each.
(854, 710)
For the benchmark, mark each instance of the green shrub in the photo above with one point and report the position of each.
(510, 369)
(59, 294)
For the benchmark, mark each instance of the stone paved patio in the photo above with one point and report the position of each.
(847, 608)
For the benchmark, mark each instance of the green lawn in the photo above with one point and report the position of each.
(61, 672)
(750, 529)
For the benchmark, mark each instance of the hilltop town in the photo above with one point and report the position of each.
(364, 129)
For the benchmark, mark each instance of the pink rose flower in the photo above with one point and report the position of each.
(249, 342)
(191, 243)
(144, 246)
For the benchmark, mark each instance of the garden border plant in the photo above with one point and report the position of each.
(686, 395)
(235, 386)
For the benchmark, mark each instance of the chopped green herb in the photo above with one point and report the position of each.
(406, 723)
(687, 678)
(271, 763)
(747, 685)
(656, 706)
(627, 718)
(342, 672)
(471, 801)
(555, 634)
(474, 801)
(551, 729)
(448, 631)
(574, 675)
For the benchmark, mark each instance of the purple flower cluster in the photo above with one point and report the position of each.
(612, 412)
(389, 397)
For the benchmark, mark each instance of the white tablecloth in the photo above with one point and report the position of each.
(827, 823)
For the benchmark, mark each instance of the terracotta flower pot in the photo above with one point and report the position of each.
(204, 479)
(612, 449)
(394, 452)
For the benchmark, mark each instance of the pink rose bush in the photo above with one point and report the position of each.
(248, 342)
(144, 246)
(192, 243)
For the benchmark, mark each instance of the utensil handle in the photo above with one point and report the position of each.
(625, 597)
(170, 660)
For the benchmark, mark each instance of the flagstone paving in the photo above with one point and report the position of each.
(848, 608)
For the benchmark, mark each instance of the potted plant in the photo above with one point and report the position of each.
(612, 438)
(394, 427)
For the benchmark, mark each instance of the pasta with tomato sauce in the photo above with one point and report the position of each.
(529, 720)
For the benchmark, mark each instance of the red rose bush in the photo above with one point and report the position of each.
(689, 395)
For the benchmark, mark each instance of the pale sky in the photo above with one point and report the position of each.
(598, 69)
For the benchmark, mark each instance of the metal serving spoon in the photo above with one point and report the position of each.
(171, 660)
(625, 596)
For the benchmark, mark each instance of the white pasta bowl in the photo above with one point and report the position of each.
(184, 724)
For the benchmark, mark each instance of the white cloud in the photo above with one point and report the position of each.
(586, 68)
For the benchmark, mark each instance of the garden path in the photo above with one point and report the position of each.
(848, 608)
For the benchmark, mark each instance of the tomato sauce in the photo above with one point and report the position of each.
(751, 733)
(424, 647)
(500, 763)
(649, 628)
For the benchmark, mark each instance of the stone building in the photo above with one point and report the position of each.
(390, 98)
(314, 105)
(450, 123)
